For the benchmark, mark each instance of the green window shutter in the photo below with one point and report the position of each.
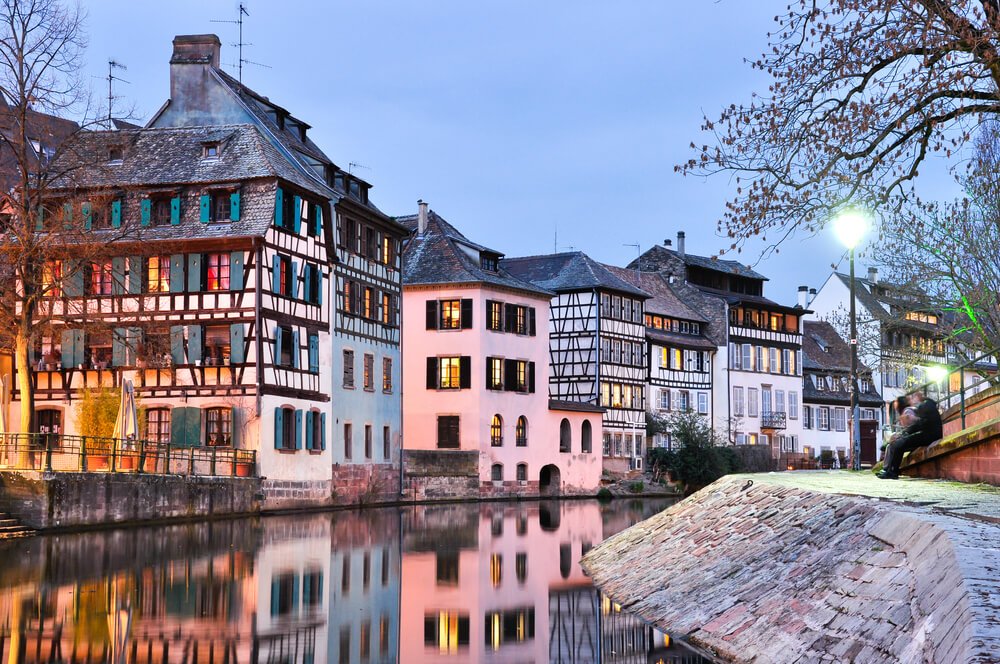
(194, 273)
(116, 214)
(40, 218)
(295, 349)
(87, 216)
(135, 275)
(118, 347)
(279, 208)
(236, 271)
(276, 275)
(322, 431)
(147, 211)
(296, 213)
(234, 426)
(237, 337)
(279, 427)
(134, 337)
(307, 282)
(194, 343)
(294, 290)
(204, 205)
(178, 426)
(295, 592)
(313, 353)
(277, 345)
(309, 445)
(175, 210)
(275, 590)
(73, 279)
(79, 348)
(177, 273)
(319, 285)
(234, 206)
(68, 350)
(298, 429)
(177, 344)
(118, 275)
(193, 435)
(68, 215)
(318, 220)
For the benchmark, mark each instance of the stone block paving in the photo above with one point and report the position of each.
(826, 566)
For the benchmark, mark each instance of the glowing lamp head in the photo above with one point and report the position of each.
(850, 226)
(936, 373)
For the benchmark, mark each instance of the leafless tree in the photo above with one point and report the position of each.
(862, 91)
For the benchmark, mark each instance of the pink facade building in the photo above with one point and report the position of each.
(476, 369)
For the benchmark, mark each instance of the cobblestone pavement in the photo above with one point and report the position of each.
(819, 566)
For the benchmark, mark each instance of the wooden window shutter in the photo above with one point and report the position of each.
(466, 314)
(118, 275)
(489, 370)
(68, 215)
(309, 439)
(236, 271)
(146, 208)
(276, 275)
(298, 429)
(307, 282)
(234, 426)
(204, 209)
(491, 322)
(313, 353)
(294, 278)
(322, 431)
(432, 314)
(531, 377)
(234, 206)
(192, 435)
(464, 372)
(531, 321)
(194, 273)
(277, 345)
(509, 317)
(279, 430)
(319, 286)
(510, 375)
(87, 216)
(68, 350)
(295, 349)
(116, 213)
(279, 208)
(175, 210)
(135, 274)
(177, 344)
(194, 343)
(118, 347)
(237, 339)
(432, 371)
(178, 426)
(73, 279)
(317, 220)
(177, 273)
(296, 213)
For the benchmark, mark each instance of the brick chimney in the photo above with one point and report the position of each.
(193, 56)
(421, 217)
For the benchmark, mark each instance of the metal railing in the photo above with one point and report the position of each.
(975, 376)
(772, 420)
(49, 452)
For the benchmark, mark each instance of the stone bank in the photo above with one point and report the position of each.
(818, 566)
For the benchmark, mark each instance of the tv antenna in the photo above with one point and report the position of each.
(638, 254)
(351, 166)
(240, 43)
(112, 66)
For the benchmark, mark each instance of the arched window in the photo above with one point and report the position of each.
(564, 436)
(521, 433)
(522, 472)
(585, 435)
(496, 472)
(496, 431)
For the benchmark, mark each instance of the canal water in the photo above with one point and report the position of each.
(482, 582)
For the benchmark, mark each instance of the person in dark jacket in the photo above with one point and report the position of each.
(924, 431)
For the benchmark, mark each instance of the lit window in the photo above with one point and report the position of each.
(521, 432)
(217, 272)
(496, 431)
(158, 274)
(218, 426)
(451, 315)
(449, 373)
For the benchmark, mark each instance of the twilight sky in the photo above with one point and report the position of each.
(514, 120)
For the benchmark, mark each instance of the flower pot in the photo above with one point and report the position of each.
(97, 461)
(127, 462)
(149, 464)
(243, 469)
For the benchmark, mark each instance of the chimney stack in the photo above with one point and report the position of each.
(680, 242)
(812, 296)
(421, 217)
(803, 296)
(190, 93)
(668, 243)
(873, 275)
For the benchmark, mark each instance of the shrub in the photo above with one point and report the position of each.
(98, 412)
(604, 494)
(637, 487)
(697, 461)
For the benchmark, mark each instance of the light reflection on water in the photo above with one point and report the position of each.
(482, 582)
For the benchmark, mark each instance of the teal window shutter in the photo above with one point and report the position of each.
(73, 279)
(175, 210)
(319, 285)
(177, 344)
(298, 429)
(118, 275)
(234, 427)
(118, 347)
(276, 275)
(295, 349)
(134, 338)
(275, 588)
(68, 350)
(294, 289)
(318, 220)
(279, 208)
(204, 206)
(116, 214)
(135, 275)
(40, 218)
(234, 206)
(193, 435)
(309, 446)
(279, 427)
(313, 353)
(147, 211)
(68, 215)
(296, 213)
(87, 216)
(322, 431)
(277, 345)
(79, 349)
(194, 273)
(295, 592)
(177, 273)
(236, 271)
(194, 343)
(237, 336)
(178, 426)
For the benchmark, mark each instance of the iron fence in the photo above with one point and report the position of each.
(59, 453)
(974, 376)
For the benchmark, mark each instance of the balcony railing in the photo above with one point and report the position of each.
(50, 452)
(772, 420)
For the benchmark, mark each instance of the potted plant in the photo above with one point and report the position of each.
(97, 414)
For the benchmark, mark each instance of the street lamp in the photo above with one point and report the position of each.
(850, 226)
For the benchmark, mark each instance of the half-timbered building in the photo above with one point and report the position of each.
(597, 346)
(477, 367)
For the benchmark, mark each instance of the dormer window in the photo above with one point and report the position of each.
(115, 154)
(210, 150)
(488, 262)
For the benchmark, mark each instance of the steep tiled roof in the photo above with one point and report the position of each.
(570, 271)
(824, 352)
(679, 340)
(663, 299)
(658, 253)
(574, 406)
(436, 256)
(881, 305)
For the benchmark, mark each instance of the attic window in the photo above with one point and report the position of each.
(210, 150)
(488, 262)
(115, 154)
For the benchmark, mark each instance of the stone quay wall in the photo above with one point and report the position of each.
(772, 572)
(440, 475)
(71, 500)
(972, 455)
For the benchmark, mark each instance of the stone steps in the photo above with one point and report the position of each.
(10, 527)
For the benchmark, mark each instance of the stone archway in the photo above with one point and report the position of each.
(549, 481)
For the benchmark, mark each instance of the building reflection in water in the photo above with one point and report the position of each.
(487, 582)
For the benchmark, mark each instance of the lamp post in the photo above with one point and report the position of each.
(849, 227)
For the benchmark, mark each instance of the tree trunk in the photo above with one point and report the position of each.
(26, 387)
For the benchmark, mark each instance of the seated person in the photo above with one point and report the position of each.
(923, 429)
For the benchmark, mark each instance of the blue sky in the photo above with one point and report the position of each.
(514, 120)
